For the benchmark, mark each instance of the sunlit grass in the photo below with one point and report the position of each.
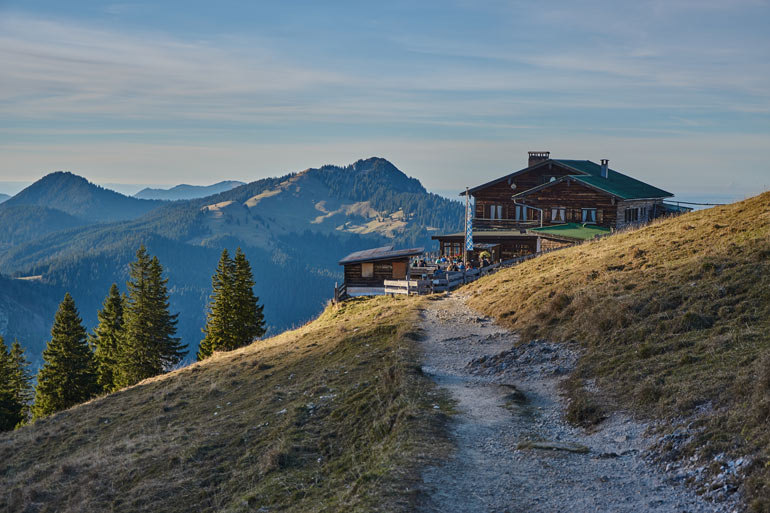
(333, 416)
(674, 319)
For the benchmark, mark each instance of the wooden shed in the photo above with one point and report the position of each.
(367, 270)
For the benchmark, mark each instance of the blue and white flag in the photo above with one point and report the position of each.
(469, 230)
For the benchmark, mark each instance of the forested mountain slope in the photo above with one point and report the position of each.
(293, 230)
(78, 197)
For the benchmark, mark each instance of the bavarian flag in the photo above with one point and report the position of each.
(469, 230)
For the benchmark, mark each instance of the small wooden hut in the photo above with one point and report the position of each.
(367, 270)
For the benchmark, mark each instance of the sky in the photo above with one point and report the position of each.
(674, 92)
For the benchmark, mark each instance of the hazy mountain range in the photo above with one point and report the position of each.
(186, 192)
(63, 233)
(3, 197)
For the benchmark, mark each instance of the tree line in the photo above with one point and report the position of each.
(134, 340)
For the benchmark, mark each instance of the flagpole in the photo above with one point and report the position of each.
(465, 245)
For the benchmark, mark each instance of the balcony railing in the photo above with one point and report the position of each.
(480, 223)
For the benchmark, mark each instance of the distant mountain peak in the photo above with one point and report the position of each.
(75, 195)
(186, 192)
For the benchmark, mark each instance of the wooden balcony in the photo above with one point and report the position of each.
(483, 224)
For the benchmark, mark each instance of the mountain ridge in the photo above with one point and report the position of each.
(293, 229)
(186, 191)
(76, 196)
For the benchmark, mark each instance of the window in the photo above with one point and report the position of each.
(367, 270)
(589, 215)
(520, 213)
(632, 215)
(558, 215)
(495, 211)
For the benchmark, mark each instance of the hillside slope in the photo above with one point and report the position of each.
(674, 322)
(23, 223)
(78, 197)
(330, 417)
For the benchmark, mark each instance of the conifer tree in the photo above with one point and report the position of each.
(108, 338)
(219, 327)
(150, 346)
(250, 322)
(21, 379)
(235, 318)
(10, 408)
(68, 375)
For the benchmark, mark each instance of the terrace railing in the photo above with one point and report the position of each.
(481, 223)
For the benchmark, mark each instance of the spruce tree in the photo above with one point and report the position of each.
(235, 318)
(250, 321)
(21, 379)
(10, 409)
(68, 375)
(107, 339)
(150, 347)
(219, 327)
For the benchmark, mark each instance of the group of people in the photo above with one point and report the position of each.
(455, 264)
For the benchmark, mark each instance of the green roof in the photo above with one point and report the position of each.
(617, 184)
(573, 230)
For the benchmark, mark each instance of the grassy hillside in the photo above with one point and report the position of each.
(674, 321)
(329, 417)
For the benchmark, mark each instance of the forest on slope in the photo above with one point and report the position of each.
(293, 230)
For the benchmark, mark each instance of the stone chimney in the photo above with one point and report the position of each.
(605, 168)
(538, 156)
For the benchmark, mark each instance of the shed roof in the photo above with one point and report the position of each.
(382, 253)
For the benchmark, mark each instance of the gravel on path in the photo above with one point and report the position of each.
(514, 451)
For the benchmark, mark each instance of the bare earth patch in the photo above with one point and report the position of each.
(515, 451)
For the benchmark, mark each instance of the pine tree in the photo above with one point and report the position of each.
(219, 321)
(250, 321)
(68, 375)
(150, 347)
(107, 339)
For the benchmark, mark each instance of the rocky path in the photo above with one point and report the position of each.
(515, 453)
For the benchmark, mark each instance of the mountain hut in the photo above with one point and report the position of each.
(367, 270)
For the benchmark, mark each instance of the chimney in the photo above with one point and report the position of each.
(605, 169)
(538, 156)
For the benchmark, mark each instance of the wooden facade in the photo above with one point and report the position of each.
(552, 192)
(366, 271)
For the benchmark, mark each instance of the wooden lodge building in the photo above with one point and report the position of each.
(367, 270)
(553, 202)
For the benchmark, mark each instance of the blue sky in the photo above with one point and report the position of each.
(675, 92)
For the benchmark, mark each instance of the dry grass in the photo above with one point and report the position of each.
(329, 417)
(674, 319)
